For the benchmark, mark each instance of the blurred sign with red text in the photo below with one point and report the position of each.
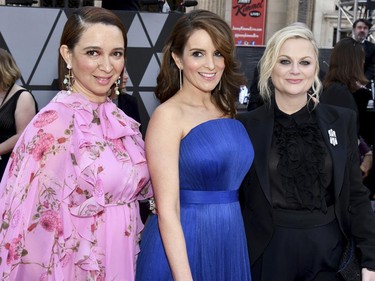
(248, 22)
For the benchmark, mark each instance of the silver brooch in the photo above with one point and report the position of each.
(332, 137)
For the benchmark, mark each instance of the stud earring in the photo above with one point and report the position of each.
(68, 80)
(117, 84)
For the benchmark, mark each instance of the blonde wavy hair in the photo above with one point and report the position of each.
(271, 53)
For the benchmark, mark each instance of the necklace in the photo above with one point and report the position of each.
(6, 95)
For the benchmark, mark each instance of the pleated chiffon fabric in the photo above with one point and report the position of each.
(214, 158)
(69, 196)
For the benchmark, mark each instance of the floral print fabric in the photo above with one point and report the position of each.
(69, 196)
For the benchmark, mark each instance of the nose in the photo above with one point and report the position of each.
(295, 68)
(105, 64)
(210, 63)
(126, 76)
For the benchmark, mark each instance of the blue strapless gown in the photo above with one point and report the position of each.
(214, 158)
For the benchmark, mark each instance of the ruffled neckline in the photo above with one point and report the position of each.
(116, 130)
(113, 128)
(301, 158)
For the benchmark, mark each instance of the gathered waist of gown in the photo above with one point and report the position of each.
(208, 197)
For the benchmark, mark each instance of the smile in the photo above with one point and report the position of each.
(103, 80)
(208, 75)
(294, 81)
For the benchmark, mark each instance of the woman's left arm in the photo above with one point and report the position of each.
(25, 111)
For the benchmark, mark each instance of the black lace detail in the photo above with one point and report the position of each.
(301, 163)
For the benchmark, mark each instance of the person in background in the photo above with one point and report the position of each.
(255, 100)
(125, 101)
(17, 107)
(69, 194)
(303, 198)
(360, 32)
(125, 5)
(345, 85)
(198, 155)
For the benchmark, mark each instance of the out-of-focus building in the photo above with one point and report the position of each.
(330, 20)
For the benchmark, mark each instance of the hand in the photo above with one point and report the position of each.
(366, 165)
(368, 275)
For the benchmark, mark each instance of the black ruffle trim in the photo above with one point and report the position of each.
(301, 164)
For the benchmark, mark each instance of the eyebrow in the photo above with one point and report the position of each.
(196, 49)
(99, 48)
(201, 50)
(306, 57)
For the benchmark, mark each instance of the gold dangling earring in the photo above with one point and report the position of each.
(117, 83)
(180, 72)
(68, 80)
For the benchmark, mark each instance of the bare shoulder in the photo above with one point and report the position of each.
(165, 124)
(26, 97)
(25, 93)
(26, 104)
(168, 113)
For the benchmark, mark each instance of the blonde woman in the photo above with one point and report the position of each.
(303, 197)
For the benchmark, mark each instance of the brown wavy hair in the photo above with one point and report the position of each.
(9, 71)
(221, 35)
(346, 65)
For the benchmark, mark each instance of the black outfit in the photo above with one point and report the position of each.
(362, 97)
(339, 94)
(8, 124)
(300, 166)
(255, 100)
(369, 67)
(127, 5)
(303, 198)
(129, 105)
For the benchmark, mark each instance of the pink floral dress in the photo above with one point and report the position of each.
(69, 196)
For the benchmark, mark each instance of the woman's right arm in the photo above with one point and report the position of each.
(163, 137)
(23, 114)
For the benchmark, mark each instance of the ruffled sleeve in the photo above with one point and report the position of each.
(53, 188)
(40, 174)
